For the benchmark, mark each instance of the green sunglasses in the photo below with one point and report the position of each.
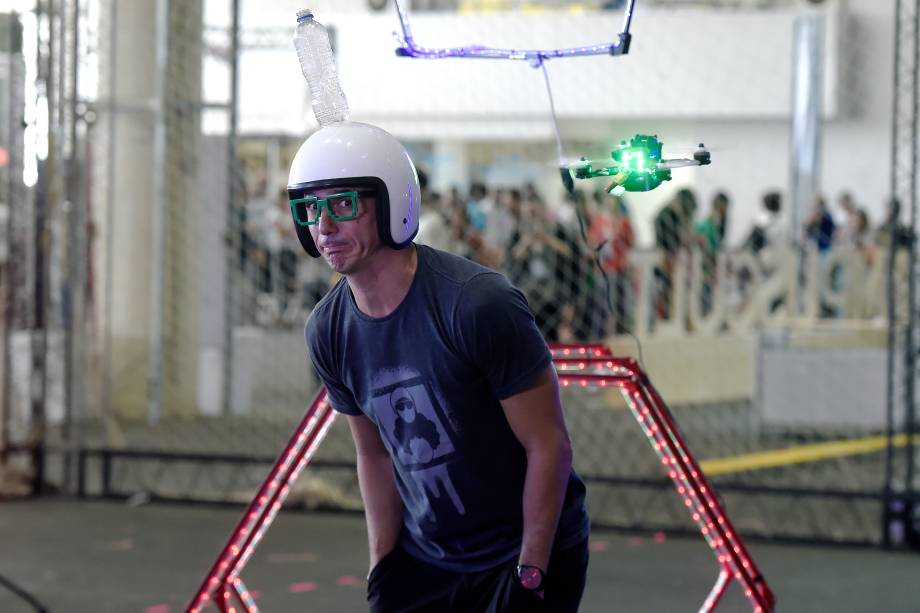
(341, 207)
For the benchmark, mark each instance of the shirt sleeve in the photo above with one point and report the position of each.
(495, 329)
(322, 357)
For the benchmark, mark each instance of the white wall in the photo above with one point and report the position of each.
(692, 74)
(857, 146)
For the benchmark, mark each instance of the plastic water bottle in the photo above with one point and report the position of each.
(311, 39)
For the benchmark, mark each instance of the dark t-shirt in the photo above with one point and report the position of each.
(430, 375)
(821, 230)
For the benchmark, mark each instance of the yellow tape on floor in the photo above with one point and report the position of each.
(800, 454)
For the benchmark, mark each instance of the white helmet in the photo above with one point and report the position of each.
(351, 154)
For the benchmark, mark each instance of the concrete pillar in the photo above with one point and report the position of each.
(807, 82)
(125, 164)
(183, 202)
(124, 191)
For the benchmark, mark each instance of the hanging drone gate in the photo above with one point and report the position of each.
(581, 365)
(407, 47)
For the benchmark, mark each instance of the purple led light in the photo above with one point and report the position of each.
(409, 190)
(408, 48)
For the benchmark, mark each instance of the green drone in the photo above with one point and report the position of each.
(635, 166)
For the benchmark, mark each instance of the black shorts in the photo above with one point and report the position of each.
(400, 583)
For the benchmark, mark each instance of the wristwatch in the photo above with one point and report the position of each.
(531, 577)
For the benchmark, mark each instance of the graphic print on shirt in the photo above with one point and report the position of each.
(419, 437)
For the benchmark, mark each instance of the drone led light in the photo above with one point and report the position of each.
(635, 165)
(408, 47)
(635, 159)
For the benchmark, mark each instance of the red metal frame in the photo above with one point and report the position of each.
(223, 583)
(584, 365)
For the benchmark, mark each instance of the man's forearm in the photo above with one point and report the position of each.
(548, 470)
(383, 507)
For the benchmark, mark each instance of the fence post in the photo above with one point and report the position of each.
(106, 473)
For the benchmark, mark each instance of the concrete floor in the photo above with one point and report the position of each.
(104, 557)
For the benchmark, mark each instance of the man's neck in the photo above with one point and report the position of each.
(382, 286)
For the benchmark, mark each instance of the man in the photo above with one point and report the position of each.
(710, 237)
(482, 512)
(673, 232)
(610, 229)
(820, 226)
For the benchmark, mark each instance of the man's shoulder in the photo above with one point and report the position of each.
(451, 268)
(333, 298)
(326, 308)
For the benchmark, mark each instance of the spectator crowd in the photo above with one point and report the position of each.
(571, 259)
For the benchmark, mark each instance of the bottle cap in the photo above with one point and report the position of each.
(304, 14)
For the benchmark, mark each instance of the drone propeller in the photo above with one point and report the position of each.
(696, 145)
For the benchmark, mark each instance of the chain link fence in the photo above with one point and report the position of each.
(153, 343)
(902, 509)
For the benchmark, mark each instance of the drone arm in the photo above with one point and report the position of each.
(589, 173)
(679, 163)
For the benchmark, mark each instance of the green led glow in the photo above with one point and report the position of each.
(634, 159)
(633, 166)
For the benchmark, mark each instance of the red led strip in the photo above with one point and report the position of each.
(223, 582)
(735, 563)
(656, 421)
